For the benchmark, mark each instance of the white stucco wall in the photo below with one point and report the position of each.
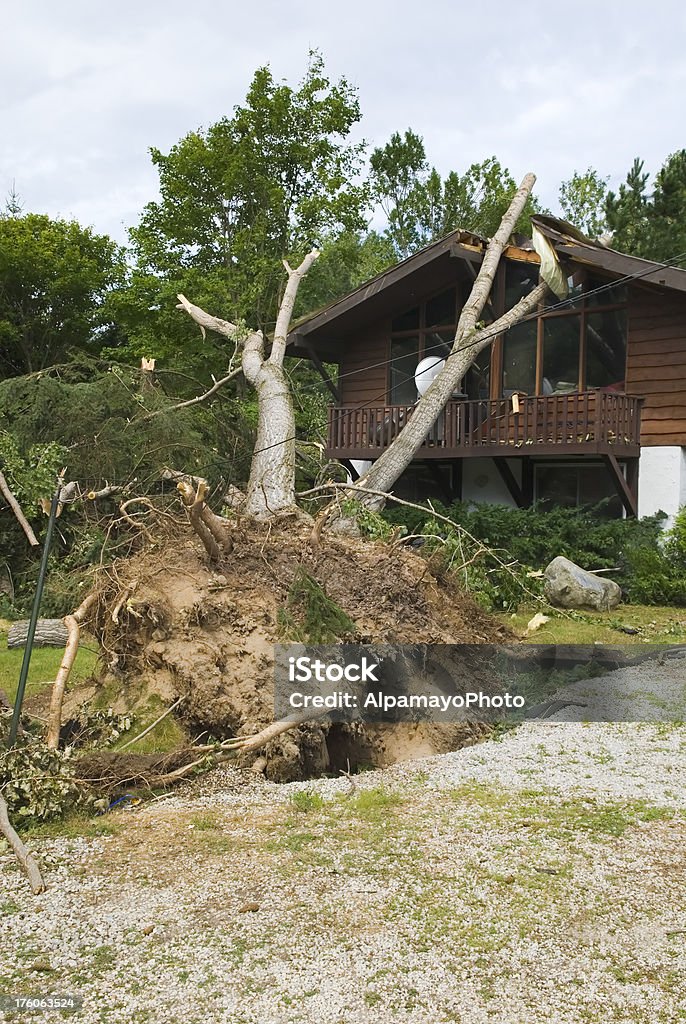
(481, 482)
(661, 481)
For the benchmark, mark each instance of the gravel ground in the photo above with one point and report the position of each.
(534, 878)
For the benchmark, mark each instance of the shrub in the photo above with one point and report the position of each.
(657, 575)
(532, 537)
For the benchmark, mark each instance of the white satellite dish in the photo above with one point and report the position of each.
(427, 370)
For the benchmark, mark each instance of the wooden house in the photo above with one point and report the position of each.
(584, 400)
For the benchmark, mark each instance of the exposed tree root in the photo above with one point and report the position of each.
(73, 624)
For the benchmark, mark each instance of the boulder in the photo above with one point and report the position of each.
(567, 585)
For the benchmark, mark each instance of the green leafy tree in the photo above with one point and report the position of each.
(646, 223)
(582, 200)
(268, 182)
(420, 206)
(627, 212)
(55, 277)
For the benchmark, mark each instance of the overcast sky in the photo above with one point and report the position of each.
(87, 88)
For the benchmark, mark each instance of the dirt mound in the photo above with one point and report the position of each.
(182, 626)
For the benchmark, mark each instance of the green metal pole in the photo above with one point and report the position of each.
(42, 572)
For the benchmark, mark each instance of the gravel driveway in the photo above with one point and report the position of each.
(535, 878)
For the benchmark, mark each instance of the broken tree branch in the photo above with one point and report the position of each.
(246, 744)
(200, 398)
(73, 624)
(18, 514)
(25, 858)
(157, 721)
(283, 319)
(213, 530)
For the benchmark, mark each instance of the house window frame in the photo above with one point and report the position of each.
(422, 329)
(577, 464)
(582, 311)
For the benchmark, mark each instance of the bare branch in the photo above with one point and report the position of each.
(16, 508)
(195, 401)
(59, 686)
(283, 319)
(20, 852)
(260, 739)
(206, 321)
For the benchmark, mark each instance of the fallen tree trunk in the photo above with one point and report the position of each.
(49, 633)
(26, 859)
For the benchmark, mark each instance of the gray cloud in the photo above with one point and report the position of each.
(85, 91)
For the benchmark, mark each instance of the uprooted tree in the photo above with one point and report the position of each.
(140, 621)
(271, 489)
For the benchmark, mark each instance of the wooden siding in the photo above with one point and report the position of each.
(656, 364)
(364, 368)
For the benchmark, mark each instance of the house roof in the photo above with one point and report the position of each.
(569, 241)
(434, 266)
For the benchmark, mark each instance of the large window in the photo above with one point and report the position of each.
(577, 484)
(428, 329)
(576, 348)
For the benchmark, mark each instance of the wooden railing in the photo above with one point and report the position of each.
(590, 421)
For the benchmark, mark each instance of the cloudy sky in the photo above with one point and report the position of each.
(87, 88)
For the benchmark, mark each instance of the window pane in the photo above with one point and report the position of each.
(438, 343)
(577, 485)
(606, 349)
(595, 486)
(441, 309)
(557, 485)
(611, 295)
(519, 359)
(406, 321)
(561, 354)
(404, 359)
(520, 278)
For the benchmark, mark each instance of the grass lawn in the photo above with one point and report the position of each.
(45, 661)
(655, 624)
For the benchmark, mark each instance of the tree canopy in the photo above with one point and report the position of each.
(650, 223)
(420, 206)
(276, 177)
(55, 277)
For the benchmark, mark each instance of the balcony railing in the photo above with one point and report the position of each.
(592, 422)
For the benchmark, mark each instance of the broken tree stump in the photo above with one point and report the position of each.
(49, 633)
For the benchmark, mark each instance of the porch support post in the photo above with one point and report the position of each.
(457, 479)
(628, 495)
(509, 480)
(632, 479)
(323, 372)
(527, 482)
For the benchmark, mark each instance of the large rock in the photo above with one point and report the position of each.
(567, 585)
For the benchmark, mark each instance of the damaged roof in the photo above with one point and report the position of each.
(434, 265)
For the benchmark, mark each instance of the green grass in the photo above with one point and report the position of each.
(306, 800)
(167, 736)
(560, 817)
(655, 624)
(74, 825)
(45, 661)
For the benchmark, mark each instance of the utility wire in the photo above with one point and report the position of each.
(485, 336)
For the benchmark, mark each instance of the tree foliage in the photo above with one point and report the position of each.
(268, 182)
(650, 223)
(582, 200)
(55, 277)
(420, 206)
